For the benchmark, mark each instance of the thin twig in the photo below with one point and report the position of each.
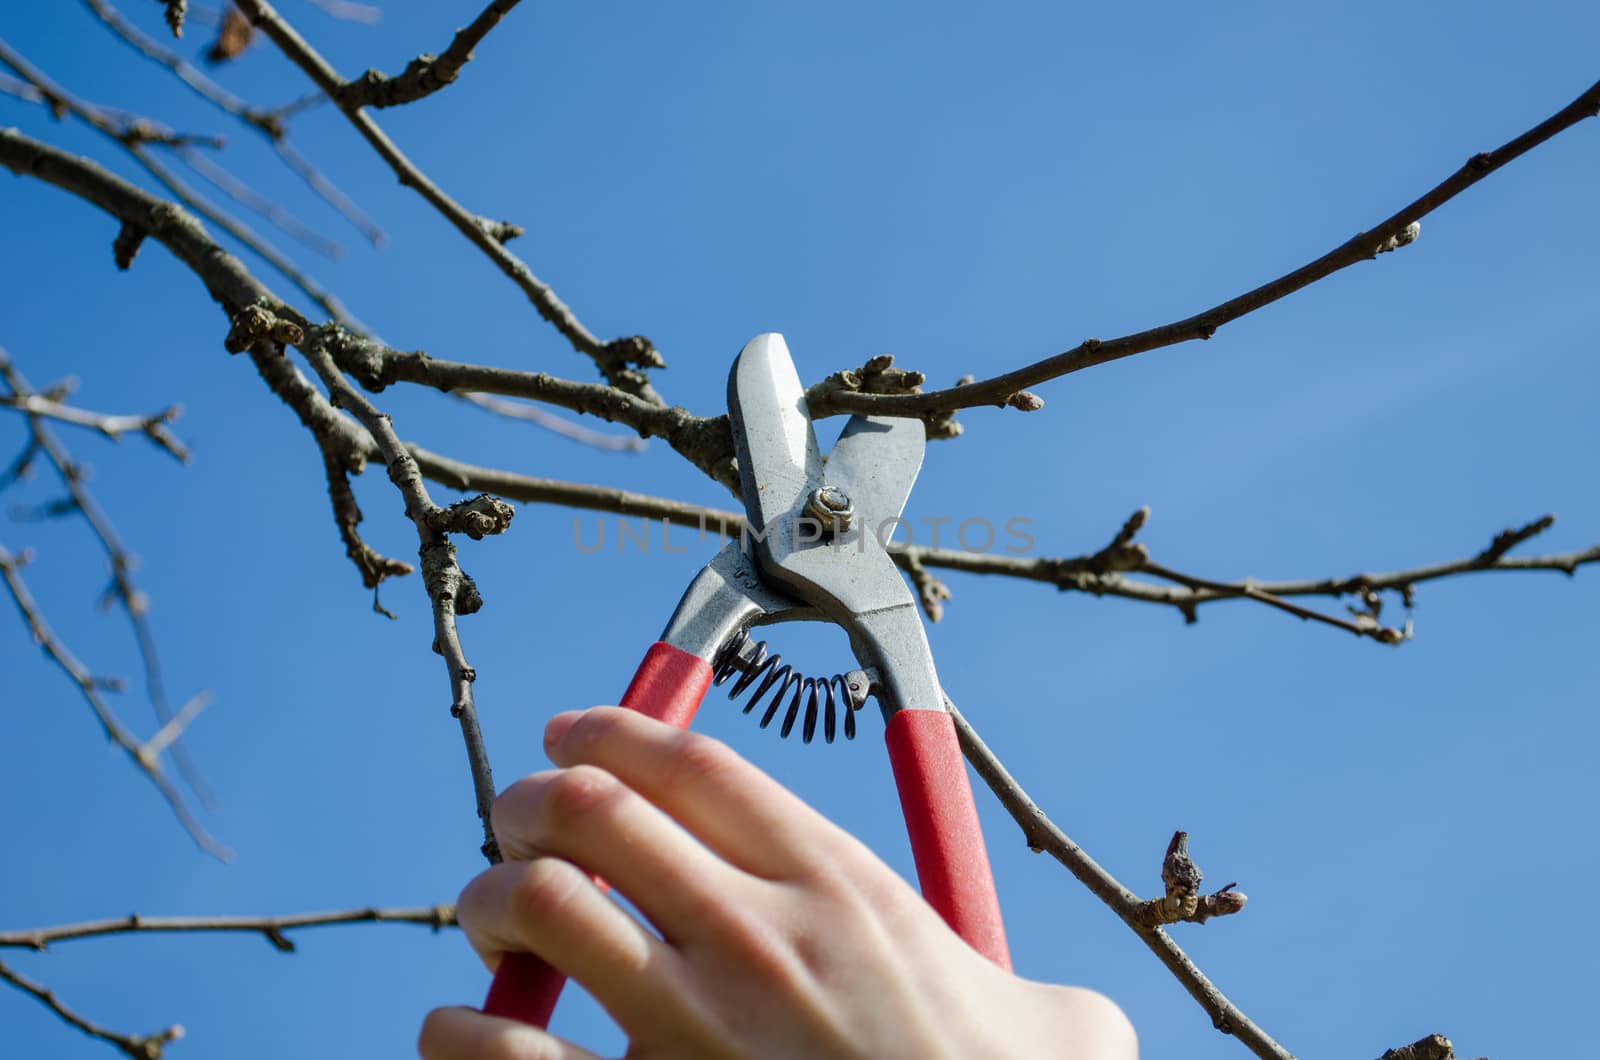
(259, 204)
(180, 721)
(705, 441)
(89, 687)
(830, 399)
(350, 12)
(11, 86)
(552, 423)
(153, 426)
(270, 927)
(140, 1047)
(619, 360)
(373, 565)
(426, 74)
(133, 601)
(1043, 834)
(451, 591)
(96, 118)
(267, 121)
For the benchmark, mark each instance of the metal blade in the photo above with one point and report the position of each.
(777, 448)
(875, 462)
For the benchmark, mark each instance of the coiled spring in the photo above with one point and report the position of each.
(774, 680)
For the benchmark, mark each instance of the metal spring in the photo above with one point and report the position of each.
(773, 678)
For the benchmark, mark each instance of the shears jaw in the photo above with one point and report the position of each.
(779, 465)
(846, 575)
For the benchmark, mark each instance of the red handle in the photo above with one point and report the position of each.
(942, 822)
(668, 686)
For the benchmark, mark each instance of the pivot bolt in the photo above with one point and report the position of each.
(832, 506)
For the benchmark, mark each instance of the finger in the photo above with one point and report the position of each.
(734, 808)
(552, 908)
(467, 1034)
(587, 816)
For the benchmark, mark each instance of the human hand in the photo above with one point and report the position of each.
(781, 935)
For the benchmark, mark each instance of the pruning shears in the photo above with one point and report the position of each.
(815, 549)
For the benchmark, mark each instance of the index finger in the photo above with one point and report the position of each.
(742, 814)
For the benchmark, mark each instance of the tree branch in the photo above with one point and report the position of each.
(146, 759)
(1043, 834)
(1395, 230)
(269, 122)
(705, 441)
(153, 426)
(554, 424)
(619, 361)
(272, 928)
(426, 74)
(1104, 573)
(449, 587)
(133, 141)
(140, 1047)
(133, 601)
(373, 565)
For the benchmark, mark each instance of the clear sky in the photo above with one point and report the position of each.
(969, 189)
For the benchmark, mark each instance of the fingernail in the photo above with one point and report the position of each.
(557, 727)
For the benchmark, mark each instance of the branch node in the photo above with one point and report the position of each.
(255, 323)
(126, 246)
(1405, 237)
(477, 518)
(1433, 1047)
(499, 231)
(176, 10)
(879, 376)
(1025, 401)
(1183, 900)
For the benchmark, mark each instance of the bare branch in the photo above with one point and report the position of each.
(1510, 538)
(89, 687)
(11, 86)
(272, 928)
(350, 12)
(619, 361)
(1386, 235)
(1043, 834)
(268, 122)
(1098, 573)
(259, 204)
(512, 485)
(931, 592)
(426, 74)
(551, 422)
(229, 282)
(97, 118)
(1104, 574)
(705, 441)
(164, 737)
(133, 601)
(374, 566)
(140, 1047)
(153, 426)
(449, 587)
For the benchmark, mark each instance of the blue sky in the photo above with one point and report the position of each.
(969, 191)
